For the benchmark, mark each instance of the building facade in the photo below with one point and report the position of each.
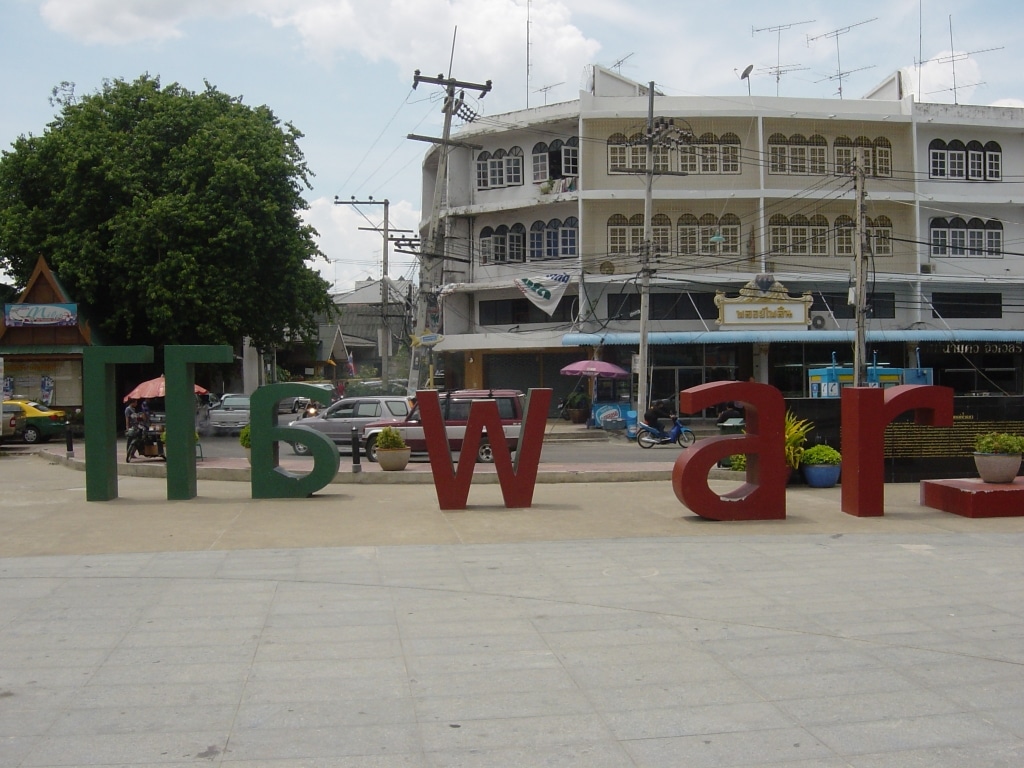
(741, 187)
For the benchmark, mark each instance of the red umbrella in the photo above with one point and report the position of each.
(153, 388)
(595, 368)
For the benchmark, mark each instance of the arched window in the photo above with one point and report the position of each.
(661, 235)
(729, 229)
(569, 234)
(618, 153)
(938, 230)
(880, 235)
(937, 159)
(993, 162)
(994, 239)
(618, 235)
(517, 243)
(687, 234)
(552, 238)
(864, 143)
(514, 168)
(497, 169)
(708, 229)
(486, 245)
(817, 155)
(778, 234)
(571, 157)
(956, 160)
(842, 155)
(730, 146)
(799, 235)
(798, 154)
(483, 170)
(957, 237)
(499, 244)
(537, 241)
(844, 235)
(539, 165)
(975, 161)
(882, 163)
(818, 228)
(975, 237)
(778, 153)
(708, 146)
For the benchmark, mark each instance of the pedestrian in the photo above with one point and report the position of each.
(131, 415)
(730, 411)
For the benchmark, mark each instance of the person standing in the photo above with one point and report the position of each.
(131, 415)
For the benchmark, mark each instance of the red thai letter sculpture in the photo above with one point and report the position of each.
(866, 412)
(763, 495)
(517, 481)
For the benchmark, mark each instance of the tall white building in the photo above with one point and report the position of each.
(752, 186)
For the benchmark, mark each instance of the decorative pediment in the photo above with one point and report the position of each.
(764, 302)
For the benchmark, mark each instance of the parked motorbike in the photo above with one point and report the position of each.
(144, 442)
(648, 436)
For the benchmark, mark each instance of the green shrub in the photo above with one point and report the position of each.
(797, 430)
(821, 454)
(390, 439)
(245, 437)
(738, 462)
(998, 442)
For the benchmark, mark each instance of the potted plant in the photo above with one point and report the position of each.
(797, 430)
(821, 465)
(577, 405)
(245, 440)
(997, 456)
(392, 452)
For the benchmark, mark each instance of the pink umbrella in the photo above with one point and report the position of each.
(154, 388)
(595, 368)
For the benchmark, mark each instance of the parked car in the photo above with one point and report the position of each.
(230, 414)
(42, 423)
(337, 420)
(455, 410)
(13, 422)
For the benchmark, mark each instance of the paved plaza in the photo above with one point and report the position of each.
(607, 626)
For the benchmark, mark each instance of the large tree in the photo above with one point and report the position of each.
(172, 217)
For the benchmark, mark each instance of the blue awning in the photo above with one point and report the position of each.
(782, 337)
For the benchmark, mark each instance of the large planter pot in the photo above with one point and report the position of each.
(579, 415)
(822, 475)
(393, 459)
(997, 467)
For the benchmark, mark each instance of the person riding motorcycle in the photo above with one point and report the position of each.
(658, 410)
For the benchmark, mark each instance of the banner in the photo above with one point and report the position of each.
(544, 291)
(17, 315)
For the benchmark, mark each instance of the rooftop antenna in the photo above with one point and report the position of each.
(778, 48)
(527, 54)
(547, 88)
(780, 70)
(617, 66)
(839, 67)
(952, 59)
(746, 76)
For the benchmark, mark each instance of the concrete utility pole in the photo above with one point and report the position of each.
(384, 332)
(860, 273)
(428, 320)
(645, 259)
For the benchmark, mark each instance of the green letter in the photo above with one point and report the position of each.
(180, 377)
(103, 416)
(269, 481)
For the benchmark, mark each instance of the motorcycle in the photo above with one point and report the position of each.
(144, 442)
(648, 436)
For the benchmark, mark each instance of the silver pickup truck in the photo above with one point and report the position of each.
(230, 414)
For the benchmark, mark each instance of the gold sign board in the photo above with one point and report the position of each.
(763, 303)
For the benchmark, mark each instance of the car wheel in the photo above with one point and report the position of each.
(371, 448)
(485, 454)
(301, 449)
(31, 434)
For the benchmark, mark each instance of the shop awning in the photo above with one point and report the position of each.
(783, 337)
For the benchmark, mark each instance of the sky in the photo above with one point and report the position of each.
(341, 71)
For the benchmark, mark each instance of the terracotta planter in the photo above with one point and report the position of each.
(579, 415)
(393, 459)
(821, 475)
(997, 467)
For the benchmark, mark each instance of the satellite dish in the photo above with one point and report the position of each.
(607, 268)
(747, 71)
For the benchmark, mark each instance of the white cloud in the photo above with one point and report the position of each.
(114, 22)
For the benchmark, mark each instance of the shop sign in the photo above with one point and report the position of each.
(34, 315)
(763, 303)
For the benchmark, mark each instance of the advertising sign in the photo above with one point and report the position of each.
(22, 315)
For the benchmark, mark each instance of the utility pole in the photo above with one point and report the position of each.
(645, 258)
(383, 333)
(428, 319)
(860, 272)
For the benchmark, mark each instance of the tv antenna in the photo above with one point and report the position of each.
(778, 70)
(617, 66)
(839, 66)
(547, 88)
(952, 59)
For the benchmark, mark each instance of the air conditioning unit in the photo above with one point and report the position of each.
(926, 269)
(818, 322)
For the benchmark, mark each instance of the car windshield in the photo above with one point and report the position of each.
(38, 406)
(234, 402)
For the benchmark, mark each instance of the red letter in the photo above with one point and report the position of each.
(763, 495)
(866, 412)
(517, 481)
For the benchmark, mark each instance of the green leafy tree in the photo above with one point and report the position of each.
(171, 216)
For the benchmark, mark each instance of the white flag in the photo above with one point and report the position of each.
(544, 291)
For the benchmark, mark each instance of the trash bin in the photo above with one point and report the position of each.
(631, 425)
